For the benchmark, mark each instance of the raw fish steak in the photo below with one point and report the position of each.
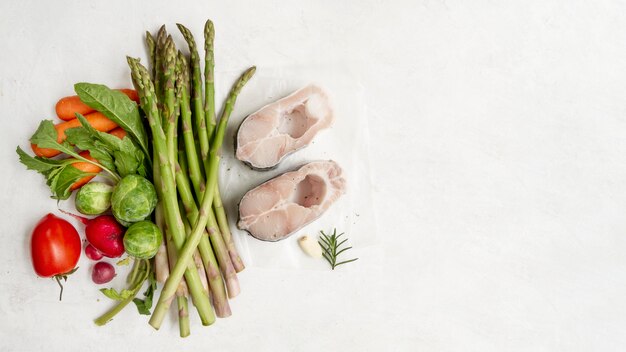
(281, 206)
(280, 128)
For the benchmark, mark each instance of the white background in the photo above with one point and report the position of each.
(498, 143)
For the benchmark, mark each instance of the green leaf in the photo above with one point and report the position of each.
(37, 163)
(121, 154)
(59, 174)
(46, 137)
(128, 158)
(80, 137)
(86, 138)
(103, 158)
(64, 180)
(116, 296)
(125, 164)
(118, 107)
(143, 306)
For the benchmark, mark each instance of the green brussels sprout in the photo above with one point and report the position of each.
(133, 199)
(94, 198)
(142, 240)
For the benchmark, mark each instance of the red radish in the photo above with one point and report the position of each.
(102, 273)
(92, 253)
(104, 233)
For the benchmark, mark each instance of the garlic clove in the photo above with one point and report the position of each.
(310, 246)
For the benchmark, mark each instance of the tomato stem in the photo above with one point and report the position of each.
(58, 280)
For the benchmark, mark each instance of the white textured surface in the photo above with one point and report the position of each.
(498, 145)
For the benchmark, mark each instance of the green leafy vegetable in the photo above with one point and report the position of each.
(140, 273)
(37, 163)
(330, 245)
(122, 155)
(46, 137)
(59, 174)
(118, 107)
(117, 296)
(144, 305)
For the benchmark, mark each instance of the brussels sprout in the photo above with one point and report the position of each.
(142, 240)
(133, 199)
(94, 198)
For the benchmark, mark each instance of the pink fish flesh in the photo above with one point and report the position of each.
(280, 128)
(281, 206)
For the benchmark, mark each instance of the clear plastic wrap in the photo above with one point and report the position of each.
(346, 142)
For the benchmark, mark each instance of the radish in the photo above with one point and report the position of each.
(102, 273)
(92, 253)
(104, 233)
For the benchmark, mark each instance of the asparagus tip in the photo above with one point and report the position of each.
(209, 30)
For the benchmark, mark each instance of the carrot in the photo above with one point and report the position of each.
(118, 132)
(96, 119)
(66, 107)
(131, 93)
(86, 167)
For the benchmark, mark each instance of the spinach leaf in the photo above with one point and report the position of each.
(117, 107)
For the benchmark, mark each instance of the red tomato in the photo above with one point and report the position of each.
(55, 247)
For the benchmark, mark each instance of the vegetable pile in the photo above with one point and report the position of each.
(156, 151)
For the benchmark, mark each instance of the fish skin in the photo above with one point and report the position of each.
(281, 206)
(269, 135)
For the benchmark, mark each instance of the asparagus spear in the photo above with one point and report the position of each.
(233, 258)
(195, 175)
(196, 258)
(158, 52)
(189, 248)
(185, 113)
(182, 292)
(209, 81)
(150, 41)
(196, 92)
(194, 172)
(167, 194)
(216, 284)
(160, 259)
(169, 103)
(222, 221)
(209, 78)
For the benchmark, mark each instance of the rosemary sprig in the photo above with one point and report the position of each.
(330, 245)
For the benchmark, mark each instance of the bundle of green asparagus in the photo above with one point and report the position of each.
(198, 245)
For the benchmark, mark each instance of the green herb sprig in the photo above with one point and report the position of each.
(330, 246)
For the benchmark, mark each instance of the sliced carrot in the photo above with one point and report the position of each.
(68, 106)
(118, 132)
(85, 167)
(96, 119)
